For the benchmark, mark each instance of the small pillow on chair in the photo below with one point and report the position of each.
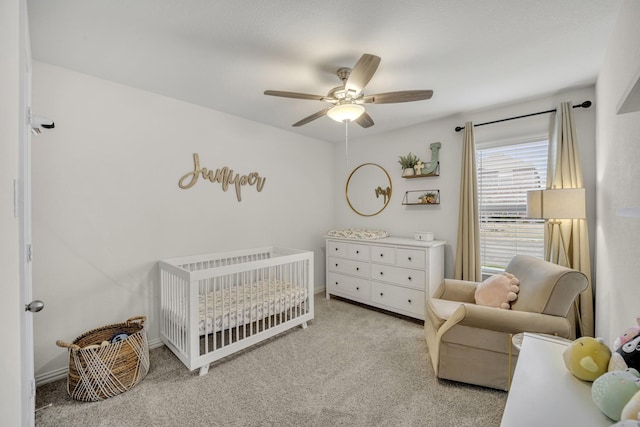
(498, 291)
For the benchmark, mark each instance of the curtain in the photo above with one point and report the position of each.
(564, 171)
(468, 244)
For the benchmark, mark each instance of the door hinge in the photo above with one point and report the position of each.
(33, 387)
(29, 253)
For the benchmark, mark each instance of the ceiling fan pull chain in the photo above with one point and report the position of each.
(346, 141)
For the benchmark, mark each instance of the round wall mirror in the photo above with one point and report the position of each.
(368, 189)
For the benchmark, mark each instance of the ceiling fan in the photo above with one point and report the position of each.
(347, 99)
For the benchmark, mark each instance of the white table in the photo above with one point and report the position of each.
(544, 393)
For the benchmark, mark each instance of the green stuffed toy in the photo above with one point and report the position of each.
(613, 390)
(587, 358)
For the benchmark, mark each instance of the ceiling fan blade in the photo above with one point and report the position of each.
(401, 96)
(362, 72)
(296, 95)
(312, 117)
(365, 120)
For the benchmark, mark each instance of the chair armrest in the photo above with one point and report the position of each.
(456, 290)
(507, 321)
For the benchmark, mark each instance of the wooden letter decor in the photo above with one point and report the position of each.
(224, 176)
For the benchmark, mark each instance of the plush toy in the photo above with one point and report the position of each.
(613, 390)
(627, 335)
(587, 358)
(626, 423)
(627, 356)
(498, 291)
(631, 410)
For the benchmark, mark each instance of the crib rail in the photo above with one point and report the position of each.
(212, 306)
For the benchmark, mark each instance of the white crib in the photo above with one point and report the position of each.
(217, 304)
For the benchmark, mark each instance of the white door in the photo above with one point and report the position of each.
(24, 212)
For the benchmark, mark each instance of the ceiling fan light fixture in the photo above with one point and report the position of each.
(343, 112)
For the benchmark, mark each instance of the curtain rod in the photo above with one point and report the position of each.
(585, 104)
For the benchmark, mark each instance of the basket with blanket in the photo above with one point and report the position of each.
(107, 361)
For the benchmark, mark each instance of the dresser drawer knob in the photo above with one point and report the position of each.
(357, 252)
(409, 258)
(336, 264)
(381, 255)
(336, 249)
(409, 278)
(381, 294)
(336, 283)
(357, 288)
(357, 268)
(381, 273)
(409, 301)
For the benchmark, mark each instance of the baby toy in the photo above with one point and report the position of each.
(613, 390)
(627, 335)
(587, 358)
(627, 356)
(631, 410)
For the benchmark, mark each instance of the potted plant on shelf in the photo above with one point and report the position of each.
(428, 198)
(408, 162)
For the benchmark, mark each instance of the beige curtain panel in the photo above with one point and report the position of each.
(468, 243)
(564, 171)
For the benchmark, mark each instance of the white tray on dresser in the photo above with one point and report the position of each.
(393, 273)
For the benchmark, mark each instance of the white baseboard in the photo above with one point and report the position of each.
(61, 373)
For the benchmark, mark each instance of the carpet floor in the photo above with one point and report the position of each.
(353, 366)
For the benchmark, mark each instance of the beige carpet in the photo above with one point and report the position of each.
(352, 366)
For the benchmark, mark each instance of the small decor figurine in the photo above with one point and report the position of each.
(408, 162)
(428, 198)
(418, 167)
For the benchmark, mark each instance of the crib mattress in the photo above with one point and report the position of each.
(239, 305)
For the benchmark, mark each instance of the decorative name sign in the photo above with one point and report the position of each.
(224, 176)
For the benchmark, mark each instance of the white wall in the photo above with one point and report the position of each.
(442, 219)
(10, 125)
(107, 206)
(618, 157)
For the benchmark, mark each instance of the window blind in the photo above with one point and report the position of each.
(505, 174)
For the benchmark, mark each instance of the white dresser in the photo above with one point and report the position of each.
(393, 273)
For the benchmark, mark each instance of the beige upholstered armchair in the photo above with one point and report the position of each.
(472, 343)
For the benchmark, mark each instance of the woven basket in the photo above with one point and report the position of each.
(96, 371)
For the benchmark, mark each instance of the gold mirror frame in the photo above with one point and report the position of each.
(379, 191)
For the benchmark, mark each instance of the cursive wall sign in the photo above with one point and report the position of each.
(224, 176)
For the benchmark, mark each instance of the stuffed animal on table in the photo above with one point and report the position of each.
(626, 423)
(498, 291)
(631, 332)
(613, 390)
(587, 358)
(627, 356)
(631, 410)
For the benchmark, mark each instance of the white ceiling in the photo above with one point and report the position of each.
(223, 54)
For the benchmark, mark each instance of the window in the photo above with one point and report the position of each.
(505, 174)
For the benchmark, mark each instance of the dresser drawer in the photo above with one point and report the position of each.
(338, 249)
(398, 298)
(349, 266)
(383, 254)
(401, 276)
(359, 252)
(412, 258)
(354, 286)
